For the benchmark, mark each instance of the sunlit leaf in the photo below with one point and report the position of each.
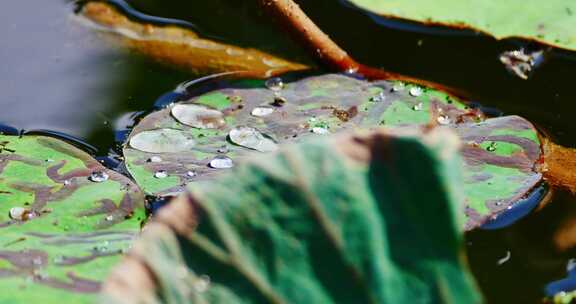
(499, 153)
(65, 220)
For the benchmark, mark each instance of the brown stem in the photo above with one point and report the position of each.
(326, 50)
(559, 167)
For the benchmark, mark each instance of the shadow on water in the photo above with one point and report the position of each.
(60, 76)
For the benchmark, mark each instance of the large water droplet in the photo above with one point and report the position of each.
(320, 130)
(20, 214)
(415, 91)
(221, 162)
(251, 138)
(398, 87)
(262, 111)
(191, 173)
(161, 174)
(275, 84)
(98, 176)
(198, 116)
(154, 159)
(163, 141)
(378, 98)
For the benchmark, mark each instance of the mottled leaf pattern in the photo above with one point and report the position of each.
(499, 153)
(80, 218)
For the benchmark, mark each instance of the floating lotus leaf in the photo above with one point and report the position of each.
(551, 22)
(331, 220)
(65, 220)
(499, 154)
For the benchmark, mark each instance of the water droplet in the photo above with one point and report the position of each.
(161, 174)
(154, 159)
(223, 150)
(20, 214)
(378, 98)
(251, 138)
(443, 120)
(163, 141)
(278, 100)
(418, 107)
(319, 130)
(110, 218)
(491, 147)
(275, 84)
(202, 283)
(49, 160)
(198, 116)
(191, 173)
(67, 182)
(415, 91)
(221, 162)
(98, 176)
(398, 87)
(262, 111)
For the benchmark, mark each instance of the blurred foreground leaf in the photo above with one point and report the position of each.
(372, 218)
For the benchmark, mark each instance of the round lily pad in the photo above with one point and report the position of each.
(499, 153)
(65, 220)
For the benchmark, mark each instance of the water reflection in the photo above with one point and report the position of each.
(61, 76)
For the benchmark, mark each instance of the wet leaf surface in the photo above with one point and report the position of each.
(500, 154)
(65, 220)
(330, 220)
(551, 22)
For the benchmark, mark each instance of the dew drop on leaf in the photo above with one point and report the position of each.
(198, 116)
(275, 84)
(418, 107)
(319, 130)
(221, 162)
(415, 91)
(155, 159)
(262, 111)
(98, 176)
(378, 98)
(443, 120)
(163, 141)
(251, 138)
(161, 174)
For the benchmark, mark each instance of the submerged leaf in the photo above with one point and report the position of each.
(551, 22)
(65, 220)
(183, 47)
(500, 153)
(327, 221)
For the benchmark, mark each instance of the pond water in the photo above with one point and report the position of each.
(59, 75)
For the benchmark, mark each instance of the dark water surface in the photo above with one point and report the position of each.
(58, 75)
